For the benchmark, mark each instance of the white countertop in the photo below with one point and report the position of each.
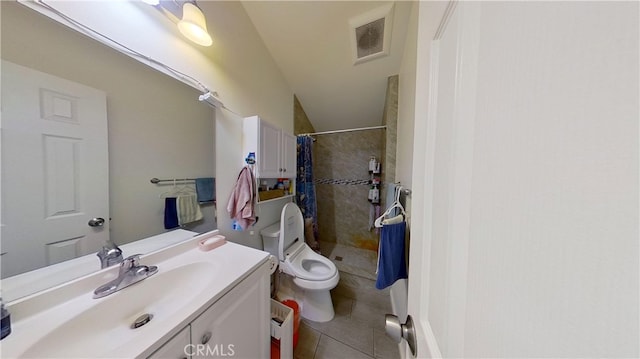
(38, 318)
(34, 281)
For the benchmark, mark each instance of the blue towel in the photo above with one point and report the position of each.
(392, 264)
(206, 189)
(170, 213)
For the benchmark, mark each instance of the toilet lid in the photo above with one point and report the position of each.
(309, 265)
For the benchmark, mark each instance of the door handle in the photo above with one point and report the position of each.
(399, 331)
(96, 222)
(205, 338)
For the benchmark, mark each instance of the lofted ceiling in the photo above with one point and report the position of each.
(310, 41)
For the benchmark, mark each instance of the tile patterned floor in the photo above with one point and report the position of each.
(357, 331)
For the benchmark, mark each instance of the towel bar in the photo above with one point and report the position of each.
(155, 180)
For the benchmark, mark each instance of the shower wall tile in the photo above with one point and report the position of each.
(301, 123)
(390, 119)
(343, 210)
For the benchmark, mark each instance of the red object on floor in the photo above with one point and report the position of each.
(275, 348)
(296, 318)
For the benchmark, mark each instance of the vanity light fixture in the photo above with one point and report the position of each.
(188, 16)
(193, 25)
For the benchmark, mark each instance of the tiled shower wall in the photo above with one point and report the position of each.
(343, 210)
(301, 123)
(390, 119)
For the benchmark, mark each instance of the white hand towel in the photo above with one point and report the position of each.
(188, 209)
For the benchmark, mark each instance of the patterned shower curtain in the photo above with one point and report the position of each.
(306, 189)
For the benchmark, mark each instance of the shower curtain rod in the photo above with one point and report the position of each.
(340, 131)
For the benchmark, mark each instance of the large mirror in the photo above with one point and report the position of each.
(142, 124)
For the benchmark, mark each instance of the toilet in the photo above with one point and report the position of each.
(314, 274)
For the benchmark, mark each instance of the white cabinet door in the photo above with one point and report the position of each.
(275, 150)
(237, 325)
(288, 155)
(269, 160)
(177, 348)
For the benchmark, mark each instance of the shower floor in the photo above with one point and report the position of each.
(357, 268)
(355, 261)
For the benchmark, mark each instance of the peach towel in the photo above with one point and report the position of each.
(242, 200)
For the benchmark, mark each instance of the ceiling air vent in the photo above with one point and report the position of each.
(371, 34)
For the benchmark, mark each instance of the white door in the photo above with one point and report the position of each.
(437, 269)
(525, 203)
(54, 169)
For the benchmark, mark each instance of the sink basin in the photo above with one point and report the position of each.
(107, 323)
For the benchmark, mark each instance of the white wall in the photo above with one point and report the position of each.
(405, 141)
(261, 89)
(406, 102)
(237, 66)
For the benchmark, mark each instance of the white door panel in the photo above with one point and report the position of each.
(289, 144)
(524, 242)
(269, 161)
(54, 169)
(449, 153)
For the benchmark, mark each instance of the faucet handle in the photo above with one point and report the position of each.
(134, 259)
(129, 262)
(109, 256)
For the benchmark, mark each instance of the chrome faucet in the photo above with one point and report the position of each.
(109, 255)
(131, 272)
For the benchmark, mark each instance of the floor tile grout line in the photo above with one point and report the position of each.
(315, 350)
(350, 346)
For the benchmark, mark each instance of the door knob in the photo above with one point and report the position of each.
(399, 331)
(205, 338)
(96, 222)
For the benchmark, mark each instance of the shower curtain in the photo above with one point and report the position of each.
(306, 190)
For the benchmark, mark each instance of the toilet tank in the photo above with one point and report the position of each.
(270, 237)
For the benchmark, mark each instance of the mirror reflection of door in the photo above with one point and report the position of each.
(54, 157)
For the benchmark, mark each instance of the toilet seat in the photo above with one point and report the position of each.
(296, 258)
(327, 284)
(314, 274)
(306, 264)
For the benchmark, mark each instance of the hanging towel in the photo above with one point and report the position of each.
(170, 213)
(241, 202)
(188, 209)
(391, 263)
(206, 189)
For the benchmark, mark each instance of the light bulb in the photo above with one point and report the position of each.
(194, 26)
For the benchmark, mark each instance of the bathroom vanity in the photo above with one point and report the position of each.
(199, 304)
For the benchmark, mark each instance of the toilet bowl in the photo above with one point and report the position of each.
(314, 274)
